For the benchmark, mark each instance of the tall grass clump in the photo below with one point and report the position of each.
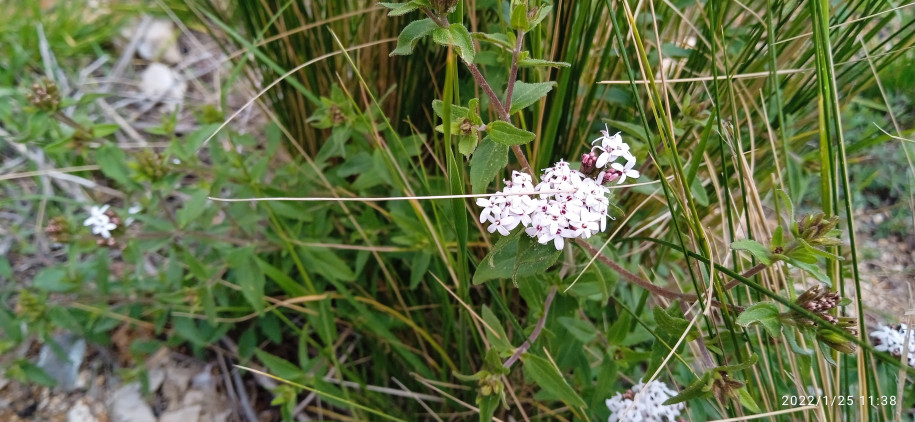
(702, 264)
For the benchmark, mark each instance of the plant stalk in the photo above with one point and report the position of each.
(537, 329)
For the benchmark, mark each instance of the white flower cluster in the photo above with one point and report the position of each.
(567, 203)
(611, 148)
(892, 340)
(648, 408)
(570, 205)
(100, 221)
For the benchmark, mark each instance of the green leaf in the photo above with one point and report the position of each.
(698, 192)
(399, 9)
(249, 276)
(457, 112)
(113, 164)
(747, 400)
(542, 63)
(467, 144)
(786, 208)
(279, 367)
(519, 20)
(34, 373)
(672, 327)
(473, 112)
(778, 237)
(701, 387)
(6, 271)
(326, 263)
(758, 250)
(818, 252)
(487, 162)
(541, 15)
(514, 256)
(412, 33)
(630, 129)
(526, 94)
(747, 364)
(500, 261)
(764, 313)
(533, 257)
(810, 268)
(103, 130)
(506, 134)
(456, 36)
(193, 208)
(53, 280)
(498, 340)
(498, 39)
(582, 330)
(488, 405)
(802, 255)
(548, 377)
(792, 341)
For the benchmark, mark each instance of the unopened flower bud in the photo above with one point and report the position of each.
(58, 230)
(44, 95)
(835, 341)
(466, 127)
(588, 162)
(609, 176)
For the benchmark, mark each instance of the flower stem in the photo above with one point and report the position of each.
(534, 334)
(481, 81)
(513, 73)
(645, 284)
(749, 273)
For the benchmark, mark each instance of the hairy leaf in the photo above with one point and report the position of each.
(548, 377)
(455, 36)
(541, 63)
(764, 313)
(526, 94)
(758, 250)
(487, 162)
(412, 33)
(506, 134)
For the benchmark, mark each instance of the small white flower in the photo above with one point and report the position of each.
(133, 210)
(494, 203)
(100, 223)
(625, 172)
(644, 403)
(503, 223)
(97, 213)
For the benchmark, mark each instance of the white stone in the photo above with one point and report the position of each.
(187, 414)
(80, 412)
(160, 42)
(127, 405)
(159, 82)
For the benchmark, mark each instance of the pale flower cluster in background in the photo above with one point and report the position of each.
(892, 341)
(648, 408)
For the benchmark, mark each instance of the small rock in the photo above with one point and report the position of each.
(64, 369)
(81, 412)
(160, 82)
(160, 42)
(187, 414)
(879, 218)
(127, 405)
